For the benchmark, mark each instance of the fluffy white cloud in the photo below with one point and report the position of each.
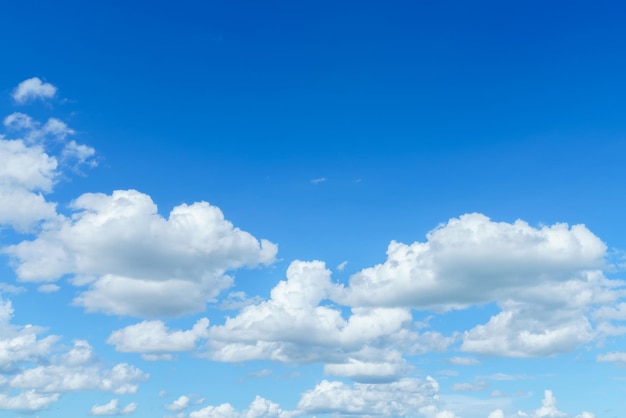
(113, 408)
(295, 325)
(28, 401)
(20, 344)
(545, 280)
(179, 404)
(260, 407)
(26, 171)
(154, 337)
(40, 370)
(33, 88)
(143, 264)
(498, 413)
(473, 260)
(548, 407)
(391, 399)
(57, 378)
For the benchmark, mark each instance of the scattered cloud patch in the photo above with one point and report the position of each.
(113, 408)
(463, 361)
(48, 288)
(179, 404)
(342, 266)
(319, 180)
(31, 89)
(260, 407)
(393, 399)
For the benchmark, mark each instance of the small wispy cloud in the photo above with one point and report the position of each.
(463, 361)
(319, 180)
(342, 266)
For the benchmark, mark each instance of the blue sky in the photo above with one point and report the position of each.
(281, 209)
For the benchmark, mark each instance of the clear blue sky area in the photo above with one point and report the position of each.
(312, 208)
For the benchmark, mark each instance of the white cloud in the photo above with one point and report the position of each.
(20, 344)
(113, 408)
(470, 387)
(57, 378)
(179, 404)
(48, 288)
(144, 264)
(26, 171)
(616, 356)
(498, 413)
(545, 280)
(392, 399)
(342, 266)
(548, 407)
(31, 89)
(295, 326)
(260, 407)
(40, 370)
(473, 260)
(28, 401)
(463, 361)
(319, 180)
(154, 337)
(80, 152)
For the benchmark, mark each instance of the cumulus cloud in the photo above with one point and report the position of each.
(391, 399)
(154, 337)
(31, 89)
(113, 408)
(260, 407)
(179, 404)
(40, 370)
(26, 172)
(473, 260)
(143, 264)
(545, 280)
(548, 407)
(28, 401)
(296, 325)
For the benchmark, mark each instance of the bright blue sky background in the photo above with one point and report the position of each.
(413, 113)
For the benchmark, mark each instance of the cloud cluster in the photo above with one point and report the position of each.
(545, 280)
(141, 263)
(32, 366)
(298, 324)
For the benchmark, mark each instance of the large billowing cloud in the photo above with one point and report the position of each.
(141, 263)
(298, 324)
(473, 260)
(545, 280)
